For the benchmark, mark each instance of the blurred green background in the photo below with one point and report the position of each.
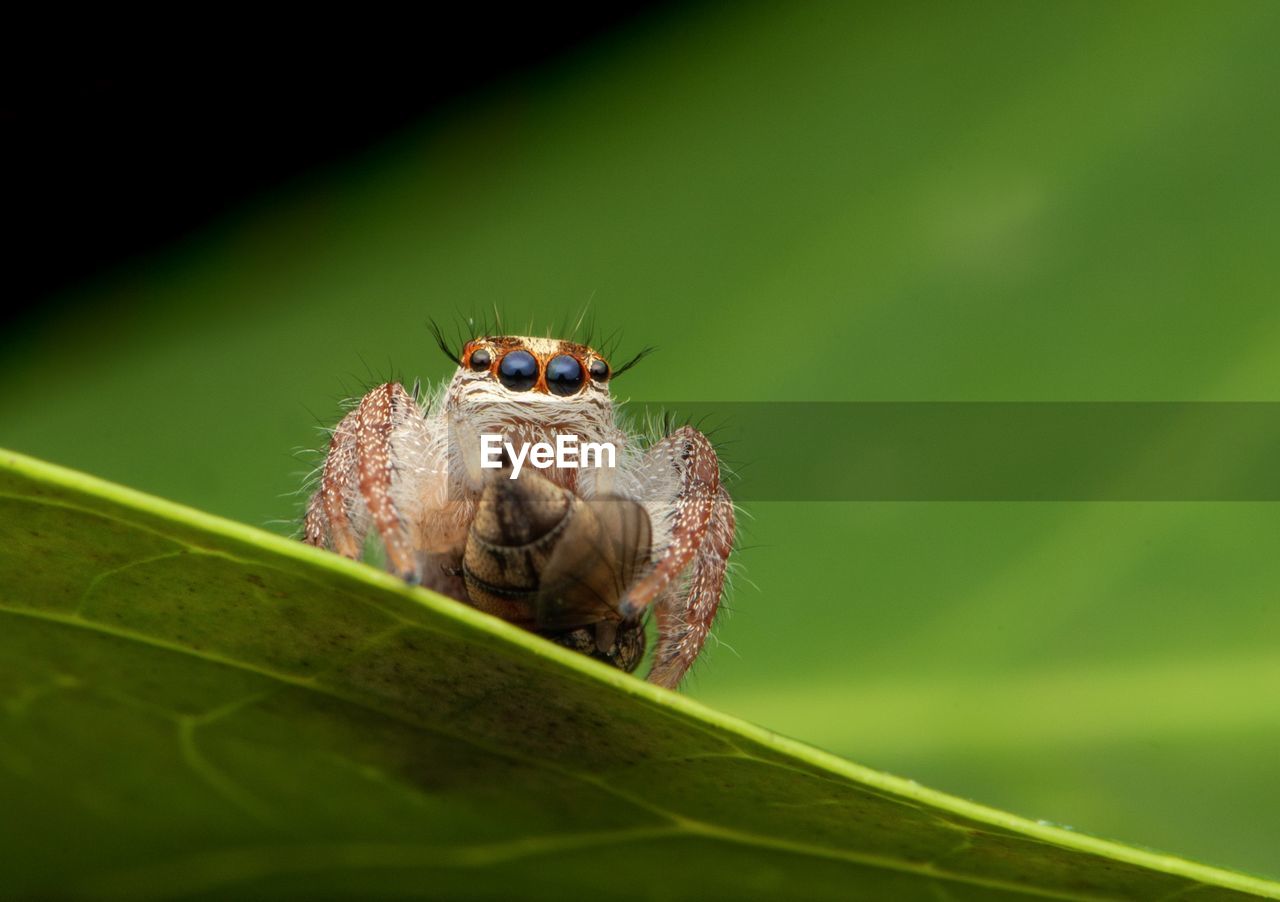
(1070, 202)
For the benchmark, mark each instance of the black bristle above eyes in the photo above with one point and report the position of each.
(442, 343)
(644, 352)
(489, 323)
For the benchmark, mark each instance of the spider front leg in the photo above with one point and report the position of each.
(379, 459)
(700, 518)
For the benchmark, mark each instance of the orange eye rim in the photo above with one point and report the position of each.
(497, 355)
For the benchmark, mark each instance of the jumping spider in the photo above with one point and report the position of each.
(578, 555)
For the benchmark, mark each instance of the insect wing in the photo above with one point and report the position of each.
(604, 548)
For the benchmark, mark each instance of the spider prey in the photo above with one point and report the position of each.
(576, 554)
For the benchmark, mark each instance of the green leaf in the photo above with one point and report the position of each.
(196, 708)
(842, 202)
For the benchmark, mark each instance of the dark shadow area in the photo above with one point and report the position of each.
(114, 148)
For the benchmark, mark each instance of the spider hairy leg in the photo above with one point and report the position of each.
(701, 537)
(370, 479)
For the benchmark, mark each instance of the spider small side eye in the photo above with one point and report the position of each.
(480, 359)
(599, 370)
(518, 370)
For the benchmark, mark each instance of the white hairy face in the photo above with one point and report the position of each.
(532, 388)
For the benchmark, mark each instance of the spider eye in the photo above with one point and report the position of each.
(518, 371)
(599, 370)
(564, 375)
(480, 360)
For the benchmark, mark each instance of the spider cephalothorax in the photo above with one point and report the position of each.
(576, 552)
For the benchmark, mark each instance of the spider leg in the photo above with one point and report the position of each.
(385, 424)
(329, 520)
(315, 525)
(685, 617)
(701, 522)
(370, 479)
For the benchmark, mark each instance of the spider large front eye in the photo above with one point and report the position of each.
(518, 371)
(564, 375)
